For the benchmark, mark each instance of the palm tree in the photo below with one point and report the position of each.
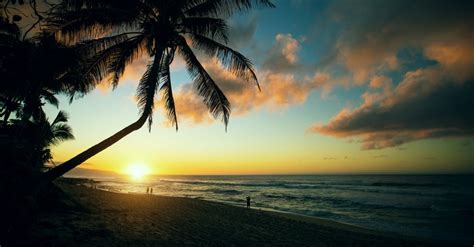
(53, 133)
(114, 33)
(29, 141)
(33, 71)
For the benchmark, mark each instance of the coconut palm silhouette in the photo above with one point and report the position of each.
(115, 33)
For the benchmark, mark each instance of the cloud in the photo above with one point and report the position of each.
(281, 87)
(372, 33)
(282, 56)
(279, 91)
(134, 72)
(428, 103)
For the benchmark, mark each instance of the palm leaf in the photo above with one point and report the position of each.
(167, 89)
(147, 88)
(130, 51)
(231, 59)
(112, 60)
(61, 132)
(49, 97)
(62, 117)
(207, 26)
(83, 24)
(94, 46)
(213, 96)
(225, 8)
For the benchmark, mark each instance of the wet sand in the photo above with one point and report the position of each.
(101, 218)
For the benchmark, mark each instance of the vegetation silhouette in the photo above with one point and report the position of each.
(69, 47)
(114, 33)
(32, 72)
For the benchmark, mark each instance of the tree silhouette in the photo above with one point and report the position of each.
(33, 71)
(114, 33)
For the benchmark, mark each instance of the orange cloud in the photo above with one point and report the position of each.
(367, 60)
(283, 56)
(134, 72)
(280, 87)
(369, 44)
(279, 91)
(428, 103)
(455, 56)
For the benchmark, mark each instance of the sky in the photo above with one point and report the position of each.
(347, 87)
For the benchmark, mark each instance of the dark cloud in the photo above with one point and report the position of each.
(432, 101)
(371, 33)
(445, 111)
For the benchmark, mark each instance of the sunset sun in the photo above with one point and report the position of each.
(137, 171)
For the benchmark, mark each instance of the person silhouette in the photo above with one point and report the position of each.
(151, 190)
(147, 190)
(248, 201)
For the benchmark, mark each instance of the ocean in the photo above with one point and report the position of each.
(439, 207)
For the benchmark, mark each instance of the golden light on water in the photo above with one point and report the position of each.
(137, 171)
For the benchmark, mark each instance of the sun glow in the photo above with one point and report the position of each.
(137, 171)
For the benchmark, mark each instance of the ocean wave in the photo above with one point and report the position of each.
(367, 187)
(394, 184)
(227, 192)
(218, 183)
(341, 202)
(279, 184)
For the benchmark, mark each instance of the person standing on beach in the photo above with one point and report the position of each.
(248, 201)
(147, 190)
(151, 190)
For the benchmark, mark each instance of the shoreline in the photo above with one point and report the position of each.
(92, 217)
(286, 214)
(280, 213)
(303, 218)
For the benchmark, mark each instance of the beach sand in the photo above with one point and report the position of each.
(116, 219)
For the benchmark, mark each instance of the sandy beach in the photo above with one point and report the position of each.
(100, 218)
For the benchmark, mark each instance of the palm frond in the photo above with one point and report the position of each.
(147, 88)
(90, 47)
(225, 8)
(213, 96)
(234, 61)
(62, 117)
(207, 26)
(49, 97)
(184, 5)
(83, 24)
(131, 51)
(80, 4)
(91, 64)
(167, 89)
(112, 60)
(61, 132)
(94, 68)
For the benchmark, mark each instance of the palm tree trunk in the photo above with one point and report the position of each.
(60, 170)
